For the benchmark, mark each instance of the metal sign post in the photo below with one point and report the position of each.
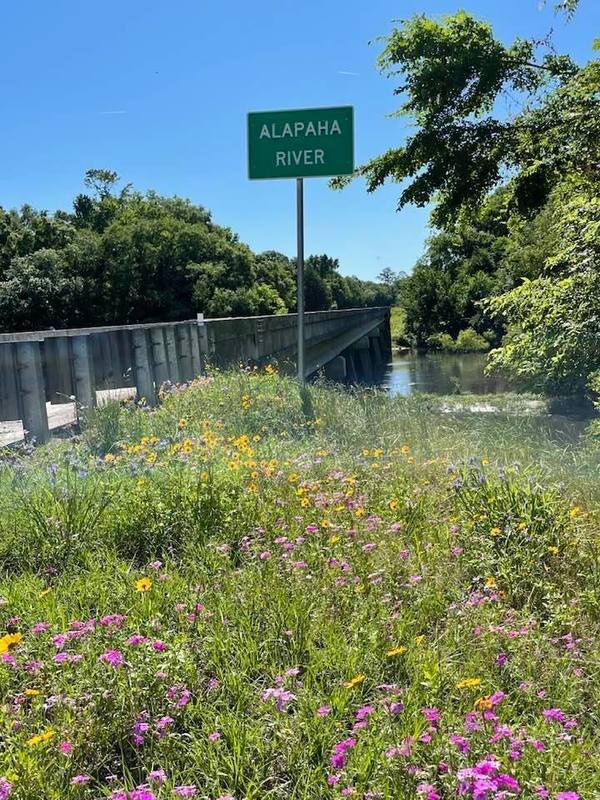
(301, 143)
(300, 275)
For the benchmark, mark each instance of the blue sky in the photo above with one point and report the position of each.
(159, 91)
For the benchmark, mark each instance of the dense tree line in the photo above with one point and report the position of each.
(515, 253)
(123, 257)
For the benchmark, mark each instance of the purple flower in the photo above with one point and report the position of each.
(5, 788)
(281, 696)
(554, 714)
(185, 791)
(141, 793)
(158, 776)
(80, 780)
(461, 743)
(113, 657)
(338, 759)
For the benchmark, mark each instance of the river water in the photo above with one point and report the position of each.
(463, 374)
(440, 373)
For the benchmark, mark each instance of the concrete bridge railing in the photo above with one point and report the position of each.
(60, 366)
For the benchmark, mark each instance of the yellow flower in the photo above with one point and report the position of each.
(396, 651)
(575, 512)
(484, 462)
(40, 738)
(143, 585)
(419, 640)
(252, 487)
(356, 681)
(495, 532)
(182, 424)
(404, 449)
(468, 683)
(44, 592)
(292, 477)
(31, 692)
(409, 460)
(109, 457)
(9, 641)
(522, 526)
(483, 702)
(490, 582)
(393, 504)
(360, 511)
(333, 539)
(553, 549)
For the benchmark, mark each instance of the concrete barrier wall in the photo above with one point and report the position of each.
(59, 366)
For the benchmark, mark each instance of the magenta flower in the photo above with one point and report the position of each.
(567, 796)
(554, 715)
(281, 696)
(429, 791)
(461, 743)
(113, 657)
(142, 793)
(40, 627)
(338, 759)
(66, 748)
(323, 711)
(5, 788)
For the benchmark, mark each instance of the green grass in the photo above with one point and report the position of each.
(313, 579)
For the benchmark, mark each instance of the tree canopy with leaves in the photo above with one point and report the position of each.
(511, 128)
(125, 257)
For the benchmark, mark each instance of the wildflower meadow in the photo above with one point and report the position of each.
(253, 592)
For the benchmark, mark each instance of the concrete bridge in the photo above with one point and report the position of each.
(47, 376)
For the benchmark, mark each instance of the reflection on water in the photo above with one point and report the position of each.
(440, 373)
(453, 373)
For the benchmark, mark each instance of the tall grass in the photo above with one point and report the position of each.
(251, 593)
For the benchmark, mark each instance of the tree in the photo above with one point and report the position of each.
(452, 74)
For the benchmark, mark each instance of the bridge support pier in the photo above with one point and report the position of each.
(336, 370)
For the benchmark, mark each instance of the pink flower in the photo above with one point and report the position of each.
(428, 790)
(113, 657)
(40, 627)
(5, 788)
(185, 791)
(323, 711)
(158, 776)
(214, 736)
(141, 793)
(338, 759)
(135, 638)
(80, 780)
(159, 645)
(461, 743)
(66, 748)
(567, 796)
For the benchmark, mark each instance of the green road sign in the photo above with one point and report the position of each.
(305, 143)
